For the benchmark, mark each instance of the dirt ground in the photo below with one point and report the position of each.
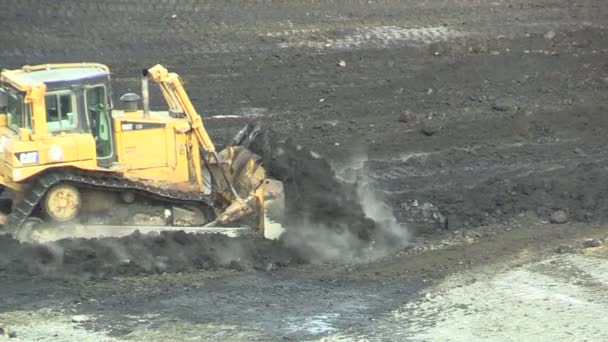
(480, 124)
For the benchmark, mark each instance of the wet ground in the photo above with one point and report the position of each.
(478, 122)
(524, 279)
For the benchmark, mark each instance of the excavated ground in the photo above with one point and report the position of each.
(481, 124)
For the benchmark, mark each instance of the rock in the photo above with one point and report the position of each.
(342, 63)
(429, 129)
(590, 243)
(578, 150)
(550, 35)
(422, 212)
(12, 334)
(504, 104)
(269, 267)
(80, 318)
(453, 222)
(236, 265)
(181, 237)
(405, 118)
(561, 249)
(559, 217)
(583, 44)
(147, 220)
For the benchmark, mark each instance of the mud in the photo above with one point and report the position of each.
(137, 254)
(462, 116)
(572, 189)
(325, 218)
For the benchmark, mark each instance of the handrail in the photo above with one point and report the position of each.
(178, 100)
(12, 76)
(30, 68)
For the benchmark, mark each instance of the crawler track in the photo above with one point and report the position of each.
(100, 181)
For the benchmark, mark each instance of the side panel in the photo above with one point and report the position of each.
(152, 152)
(12, 175)
(142, 149)
(85, 144)
(63, 148)
(24, 159)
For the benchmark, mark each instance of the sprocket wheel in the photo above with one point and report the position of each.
(62, 202)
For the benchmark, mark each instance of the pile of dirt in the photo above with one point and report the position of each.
(319, 206)
(136, 254)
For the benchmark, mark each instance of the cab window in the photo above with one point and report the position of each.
(60, 112)
(17, 113)
(100, 120)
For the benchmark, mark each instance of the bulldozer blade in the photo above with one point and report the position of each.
(251, 180)
(273, 209)
(46, 233)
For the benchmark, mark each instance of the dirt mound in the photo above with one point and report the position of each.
(136, 254)
(313, 194)
(323, 214)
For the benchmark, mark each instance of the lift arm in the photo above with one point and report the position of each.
(179, 103)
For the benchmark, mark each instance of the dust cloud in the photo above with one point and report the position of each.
(328, 218)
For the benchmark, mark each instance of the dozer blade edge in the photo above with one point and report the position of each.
(48, 233)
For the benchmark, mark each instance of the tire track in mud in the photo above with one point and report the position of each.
(183, 30)
(372, 37)
(440, 164)
(454, 188)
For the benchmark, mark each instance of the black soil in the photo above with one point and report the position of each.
(313, 194)
(506, 114)
(316, 201)
(136, 254)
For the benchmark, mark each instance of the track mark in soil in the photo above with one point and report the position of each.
(378, 37)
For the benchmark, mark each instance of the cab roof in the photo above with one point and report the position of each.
(55, 75)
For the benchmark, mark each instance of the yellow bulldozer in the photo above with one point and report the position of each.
(73, 165)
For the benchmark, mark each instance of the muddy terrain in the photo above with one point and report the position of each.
(471, 133)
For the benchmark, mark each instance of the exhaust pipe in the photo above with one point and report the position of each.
(145, 93)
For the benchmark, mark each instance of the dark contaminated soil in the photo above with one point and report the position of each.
(458, 114)
(313, 194)
(136, 254)
(316, 202)
(572, 189)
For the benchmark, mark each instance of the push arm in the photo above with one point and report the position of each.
(179, 102)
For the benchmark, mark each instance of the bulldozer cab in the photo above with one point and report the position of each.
(62, 144)
(82, 108)
(51, 104)
(98, 113)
